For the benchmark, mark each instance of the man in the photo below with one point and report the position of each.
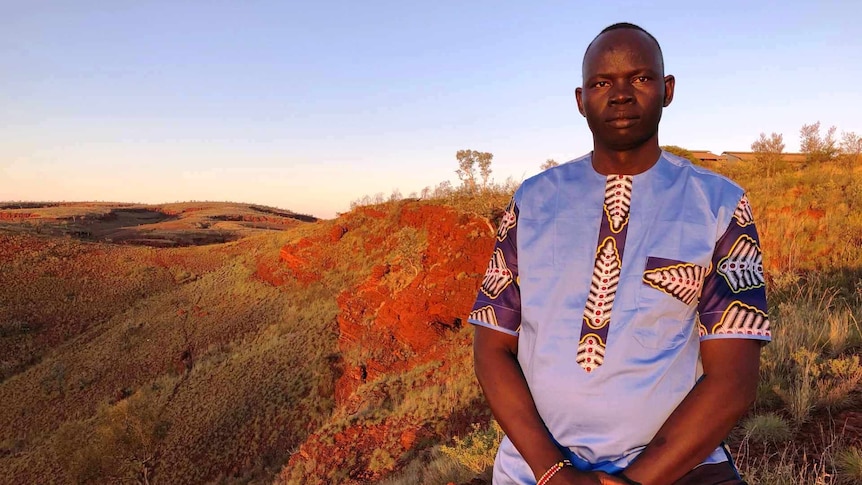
(619, 323)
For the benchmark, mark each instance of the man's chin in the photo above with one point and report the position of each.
(626, 142)
(626, 145)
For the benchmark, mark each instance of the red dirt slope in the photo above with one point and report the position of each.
(404, 314)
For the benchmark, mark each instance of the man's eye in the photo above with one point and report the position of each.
(641, 79)
(601, 84)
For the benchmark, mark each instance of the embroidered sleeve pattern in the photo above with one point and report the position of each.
(498, 304)
(733, 302)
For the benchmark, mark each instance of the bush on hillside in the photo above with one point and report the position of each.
(477, 450)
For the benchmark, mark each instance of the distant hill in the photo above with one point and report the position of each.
(161, 225)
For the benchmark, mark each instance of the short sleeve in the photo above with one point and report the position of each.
(498, 304)
(733, 301)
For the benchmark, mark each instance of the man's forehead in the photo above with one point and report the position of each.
(630, 43)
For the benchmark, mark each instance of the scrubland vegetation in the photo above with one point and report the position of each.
(335, 351)
(806, 426)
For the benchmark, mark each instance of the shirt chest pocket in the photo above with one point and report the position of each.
(677, 256)
(667, 300)
(670, 284)
(678, 279)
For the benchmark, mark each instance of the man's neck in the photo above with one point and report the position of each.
(627, 162)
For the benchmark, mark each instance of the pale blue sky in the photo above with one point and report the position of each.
(309, 105)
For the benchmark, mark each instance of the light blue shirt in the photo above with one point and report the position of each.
(610, 283)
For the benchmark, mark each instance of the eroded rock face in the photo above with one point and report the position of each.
(399, 313)
(299, 258)
(426, 265)
(413, 293)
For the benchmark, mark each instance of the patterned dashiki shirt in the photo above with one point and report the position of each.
(610, 284)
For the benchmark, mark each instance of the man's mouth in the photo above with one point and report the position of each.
(623, 120)
(622, 115)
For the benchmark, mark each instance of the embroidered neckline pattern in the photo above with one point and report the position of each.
(606, 272)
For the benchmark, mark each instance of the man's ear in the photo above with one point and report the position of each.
(579, 98)
(669, 85)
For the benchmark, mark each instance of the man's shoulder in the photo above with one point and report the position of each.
(552, 176)
(703, 188)
(699, 173)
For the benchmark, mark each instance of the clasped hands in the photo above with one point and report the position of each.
(571, 476)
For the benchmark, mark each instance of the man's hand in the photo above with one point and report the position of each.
(696, 427)
(570, 476)
(606, 479)
(499, 373)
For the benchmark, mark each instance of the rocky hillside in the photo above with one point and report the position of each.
(328, 351)
(405, 377)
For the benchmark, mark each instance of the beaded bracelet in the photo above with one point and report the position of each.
(553, 471)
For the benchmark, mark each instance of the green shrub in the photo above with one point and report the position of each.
(766, 428)
(380, 461)
(819, 382)
(848, 463)
(477, 450)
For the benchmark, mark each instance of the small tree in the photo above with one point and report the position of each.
(123, 446)
(815, 147)
(485, 168)
(468, 162)
(549, 163)
(443, 190)
(851, 148)
(768, 150)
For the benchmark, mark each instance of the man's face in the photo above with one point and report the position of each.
(624, 89)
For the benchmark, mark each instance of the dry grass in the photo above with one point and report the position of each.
(819, 457)
(431, 467)
(240, 367)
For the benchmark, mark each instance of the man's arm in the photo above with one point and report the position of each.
(733, 304)
(704, 418)
(495, 355)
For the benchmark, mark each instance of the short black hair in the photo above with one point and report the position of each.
(627, 25)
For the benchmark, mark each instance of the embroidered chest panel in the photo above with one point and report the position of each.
(606, 272)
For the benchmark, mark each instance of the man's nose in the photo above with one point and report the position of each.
(621, 93)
